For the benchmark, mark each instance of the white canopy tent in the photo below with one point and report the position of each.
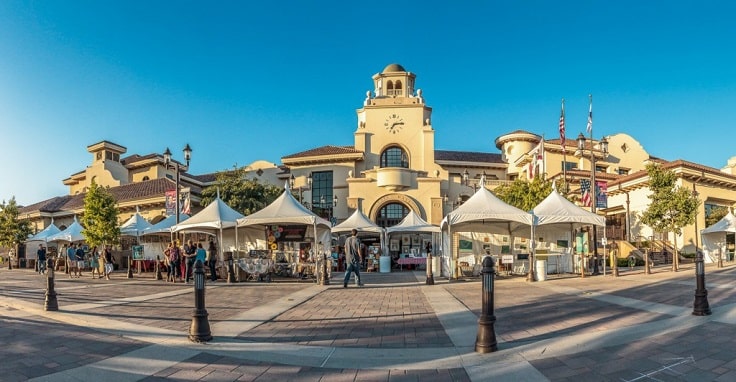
(164, 226)
(413, 223)
(360, 222)
(135, 226)
(71, 234)
(483, 212)
(557, 217)
(284, 210)
(212, 220)
(40, 238)
(714, 237)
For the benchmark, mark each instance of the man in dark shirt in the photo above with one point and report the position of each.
(41, 259)
(353, 258)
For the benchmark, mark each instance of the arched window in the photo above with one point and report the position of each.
(394, 156)
(397, 88)
(145, 178)
(389, 88)
(391, 214)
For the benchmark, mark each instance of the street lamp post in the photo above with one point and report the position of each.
(292, 182)
(594, 194)
(167, 162)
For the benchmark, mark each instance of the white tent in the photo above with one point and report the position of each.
(73, 233)
(286, 210)
(135, 226)
(557, 217)
(43, 236)
(358, 221)
(212, 220)
(483, 212)
(164, 226)
(40, 238)
(412, 222)
(714, 237)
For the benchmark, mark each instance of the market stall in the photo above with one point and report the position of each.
(410, 240)
(718, 239)
(288, 232)
(369, 233)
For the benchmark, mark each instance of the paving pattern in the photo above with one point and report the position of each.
(632, 328)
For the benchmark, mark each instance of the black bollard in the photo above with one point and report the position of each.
(596, 270)
(323, 279)
(158, 269)
(486, 340)
(430, 275)
(130, 268)
(230, 270)
(50, 303)
(199, 331)
(700, 306)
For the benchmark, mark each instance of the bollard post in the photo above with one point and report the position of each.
(10, 262)
(230, 270)
(430, 275)
(199, 331)
(158, 269)
(51, 304)
(323, 279)
(130, 268)
(720, 259)
(614, 265)
(486, 340)
(700, 306)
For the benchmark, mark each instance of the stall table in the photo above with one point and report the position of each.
(411, 261)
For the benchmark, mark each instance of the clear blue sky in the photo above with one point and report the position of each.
(241, 81)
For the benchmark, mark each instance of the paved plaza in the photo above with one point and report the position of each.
(635, 327)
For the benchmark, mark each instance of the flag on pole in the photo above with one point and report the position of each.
(590, 116)
(585, 192)
(539, 158)
(562, 126)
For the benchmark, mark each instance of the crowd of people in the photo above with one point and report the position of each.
(179, 261)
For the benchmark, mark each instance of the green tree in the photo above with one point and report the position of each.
(13, 231)
(100, 218)
(671, 207)
(524, 194)
(716, 214)
(237, 191)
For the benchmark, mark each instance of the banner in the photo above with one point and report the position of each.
(171, 202)
(601, 195)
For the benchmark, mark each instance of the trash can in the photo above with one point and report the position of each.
(384, 264)
(541, 270)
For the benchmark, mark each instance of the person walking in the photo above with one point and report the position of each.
(174, 259)
(212, 260)
(80, 259)
(71, 260)
(94, 262)
(199, 255)
(41, 259)
(353, 258)
(107, 256)
(190, 253)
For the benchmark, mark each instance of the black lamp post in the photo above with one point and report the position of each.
(177, 168)
(594, 194)
(199, 330)
(700, 306)
(486, 342)
(51, 304)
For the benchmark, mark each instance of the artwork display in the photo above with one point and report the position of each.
(394, 245)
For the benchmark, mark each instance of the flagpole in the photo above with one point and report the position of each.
(564, 149)
(593, 187)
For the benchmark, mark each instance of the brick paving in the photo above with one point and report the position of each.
(631, 328)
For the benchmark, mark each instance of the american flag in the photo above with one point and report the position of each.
(585, 191)
(562, 126)
(590, 116)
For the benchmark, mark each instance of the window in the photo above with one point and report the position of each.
(145, 178)
(322, 193)
(394, 157)
(569, 166)
(391, 214)
(390, 88)
(623, 171)
(601, 169)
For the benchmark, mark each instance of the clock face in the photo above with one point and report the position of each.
(394, 123)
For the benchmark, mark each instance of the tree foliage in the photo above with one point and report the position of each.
(716, 214)
(240, 193)
(100, 218)
(524, 194)
(13, 231)
(671, 207)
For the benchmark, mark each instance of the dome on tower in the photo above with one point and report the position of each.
(393, 68)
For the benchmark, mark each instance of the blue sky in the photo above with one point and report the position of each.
(242, 81)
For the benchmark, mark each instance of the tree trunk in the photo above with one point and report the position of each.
(675, 256)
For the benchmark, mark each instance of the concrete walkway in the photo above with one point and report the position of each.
(634, 327)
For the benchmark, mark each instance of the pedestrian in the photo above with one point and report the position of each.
(174, 259)
(353, 258)
(94, 262)
(212, 260)
(632, 262)
(199, 255)
(41, 259)
(190, 252)
(60, 255)
(80, 259)
(108, 262)
(71, 260)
